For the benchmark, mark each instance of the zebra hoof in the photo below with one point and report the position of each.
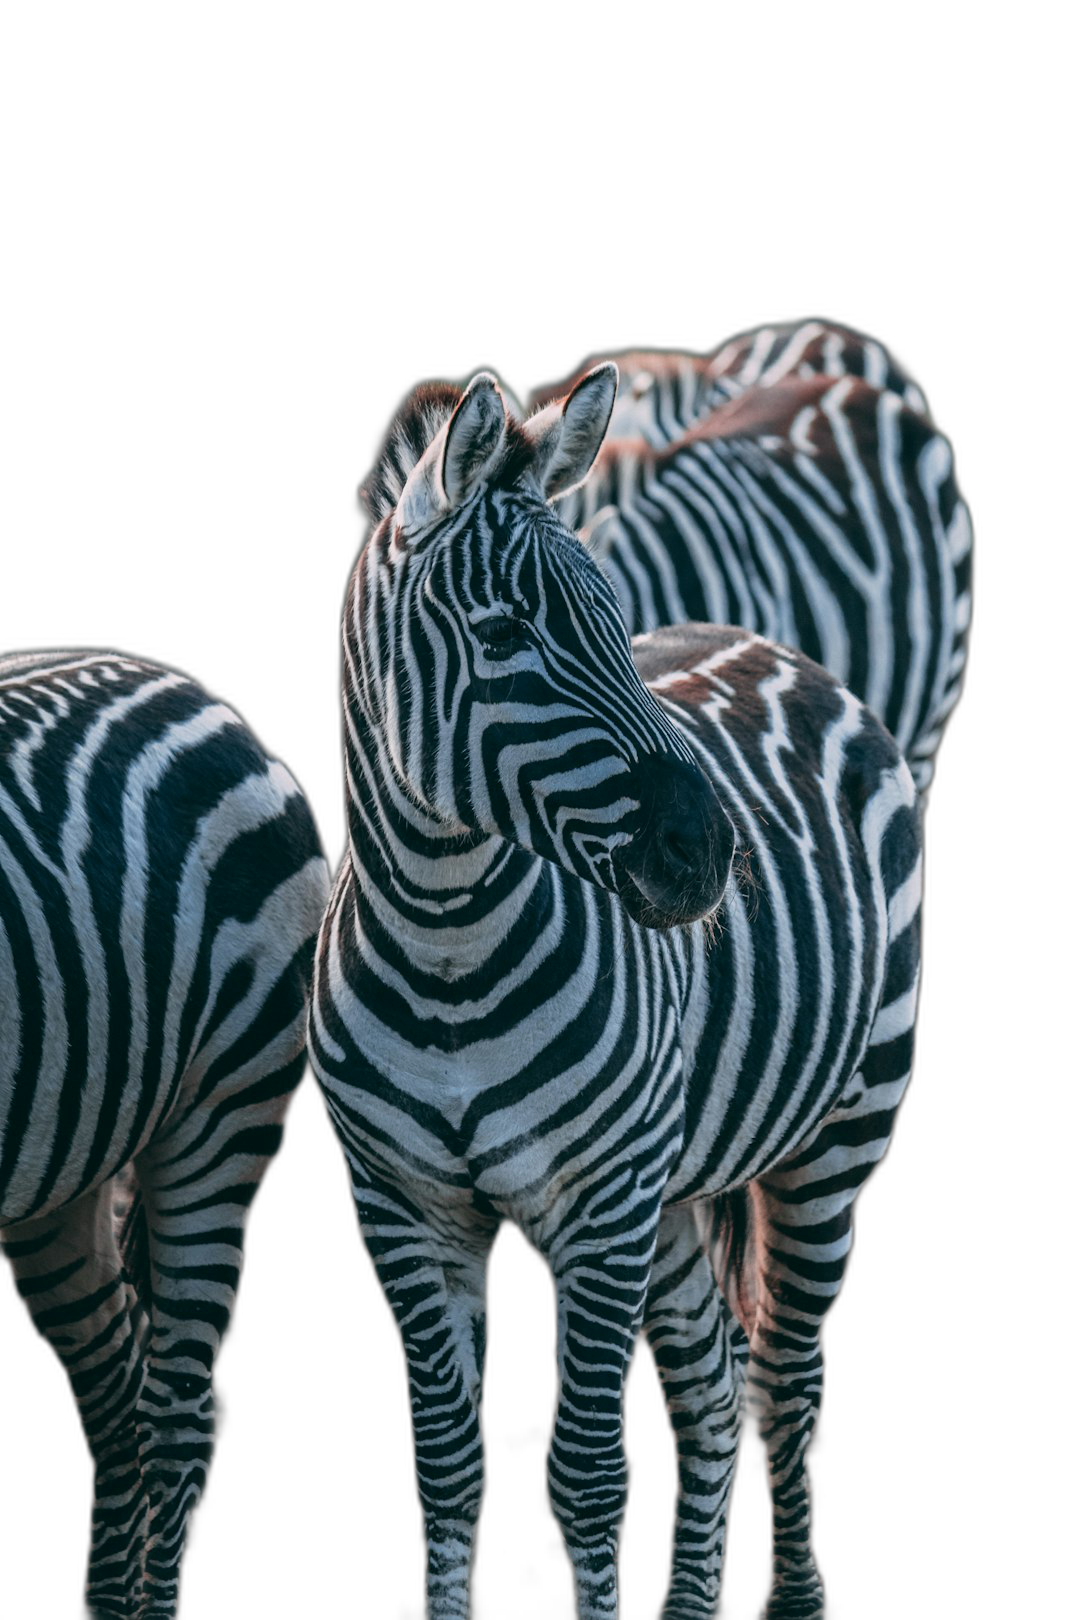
(801, 1608)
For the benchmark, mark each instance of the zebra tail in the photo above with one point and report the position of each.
(133, 1243)
(729, 1235)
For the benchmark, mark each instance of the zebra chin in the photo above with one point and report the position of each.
(674, 905)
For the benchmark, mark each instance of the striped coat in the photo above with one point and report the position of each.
(794, 483)
(161, 882)
(625, 950)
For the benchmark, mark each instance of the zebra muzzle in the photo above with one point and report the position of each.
(675, 868)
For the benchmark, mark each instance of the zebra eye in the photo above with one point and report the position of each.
(501, 636)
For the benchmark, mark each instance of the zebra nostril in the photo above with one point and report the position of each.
(679, 848)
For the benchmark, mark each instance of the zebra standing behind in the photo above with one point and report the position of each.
(625, 949)
(161, 884)
(795, 484)
(664, 392)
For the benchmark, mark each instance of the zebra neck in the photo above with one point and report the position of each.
(437, 892)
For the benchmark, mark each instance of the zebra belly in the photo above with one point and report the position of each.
(772, 1040)
(778, 1016)
(739, 1126)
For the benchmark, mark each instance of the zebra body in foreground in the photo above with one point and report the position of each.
(530, 1003)
(794, 484)
(161, 884)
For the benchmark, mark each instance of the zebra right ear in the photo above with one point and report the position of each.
(568, 433)
(457, 458)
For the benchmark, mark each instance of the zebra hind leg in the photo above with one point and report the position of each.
(803, 1220)
(700, 1351)
(69, 1270)
(196, 1182)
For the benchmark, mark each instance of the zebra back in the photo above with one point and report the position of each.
(664, 392)
(764, 355)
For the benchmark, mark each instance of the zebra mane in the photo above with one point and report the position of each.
(416, 422)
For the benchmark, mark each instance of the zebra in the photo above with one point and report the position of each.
(820, 510)
(161, 886)
(624, 948)
(664, 392)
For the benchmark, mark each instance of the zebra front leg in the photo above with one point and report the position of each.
(700, 1352)
(70, 1273)
(601, 1285)
(434, 1277)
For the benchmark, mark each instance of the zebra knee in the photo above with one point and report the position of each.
(587, 1489)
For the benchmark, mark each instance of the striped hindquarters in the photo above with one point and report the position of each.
(160, 883)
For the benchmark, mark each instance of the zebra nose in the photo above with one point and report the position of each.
(692, 849)
(680, 855)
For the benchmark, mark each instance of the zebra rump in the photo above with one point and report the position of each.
(161, 883)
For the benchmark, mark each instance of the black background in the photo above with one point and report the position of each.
(199, 405)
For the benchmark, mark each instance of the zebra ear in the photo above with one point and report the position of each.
(569, 432)
(512, 404)
(457, 458)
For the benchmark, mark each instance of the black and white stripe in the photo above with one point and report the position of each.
(624, 949)
(663, 393)
(161, 884)
(794, 483)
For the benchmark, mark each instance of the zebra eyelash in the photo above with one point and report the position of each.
(501, 635)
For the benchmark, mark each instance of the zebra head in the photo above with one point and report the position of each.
(488, 666)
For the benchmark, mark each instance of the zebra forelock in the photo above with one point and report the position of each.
(414, 426)
(418, 419)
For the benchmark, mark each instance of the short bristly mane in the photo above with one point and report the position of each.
(415, 424)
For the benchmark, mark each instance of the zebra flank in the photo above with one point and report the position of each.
(624, 949)
(161, 884)
(794, 483)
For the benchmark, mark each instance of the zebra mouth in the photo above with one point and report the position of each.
(665, 901)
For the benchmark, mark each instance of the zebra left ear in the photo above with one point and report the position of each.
(568, 433)
(474, 435)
